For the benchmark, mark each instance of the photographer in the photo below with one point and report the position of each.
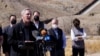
(47, 41)
(43, 41)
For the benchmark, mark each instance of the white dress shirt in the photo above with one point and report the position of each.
(36, 24)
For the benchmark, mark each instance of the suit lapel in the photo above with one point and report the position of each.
(54, 34)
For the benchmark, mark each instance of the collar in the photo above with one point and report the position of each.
(36, 22)
(11, 25)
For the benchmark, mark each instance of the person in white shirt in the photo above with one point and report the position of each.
(37, 22)
(78, 36)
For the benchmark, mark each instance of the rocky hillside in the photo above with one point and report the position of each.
(48, 8)
(63, 9)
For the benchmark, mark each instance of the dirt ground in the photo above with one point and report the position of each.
(92, 45)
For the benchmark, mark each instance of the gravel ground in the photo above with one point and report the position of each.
(94, 54)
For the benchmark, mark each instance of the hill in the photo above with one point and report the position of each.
(63, 9)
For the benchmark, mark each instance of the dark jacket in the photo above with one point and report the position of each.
(19, 37)
(37, 31)
(59, 41)
(41, 25)
(7, 33)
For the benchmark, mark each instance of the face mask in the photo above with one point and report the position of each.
(13, 22)
(54, 26)
(76, 25)
(36, 18)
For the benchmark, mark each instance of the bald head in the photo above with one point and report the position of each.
(55, 21)
(26, 15)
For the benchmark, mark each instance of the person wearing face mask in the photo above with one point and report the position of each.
(39, 24)
(59, 38)
(36, 20)
(8, 32)
(78, 36)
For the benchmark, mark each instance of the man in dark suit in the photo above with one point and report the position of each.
(36, 20)
(38, 25)
(8, 32)
(22, 35)
(59, 39)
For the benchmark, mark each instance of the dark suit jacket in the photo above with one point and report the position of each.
(41, 25)
(59, 41)
(7, 32)
(37, 31)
